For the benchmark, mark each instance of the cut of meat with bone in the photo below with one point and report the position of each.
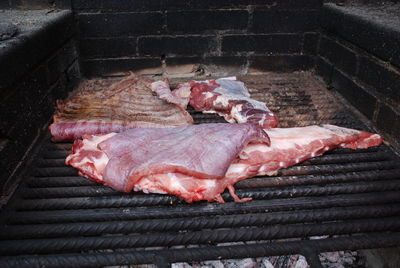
(229, 98)
(290, 146)
(189, 161)
(87, 158)
(179, 96)
(201, 169)
(126, 104)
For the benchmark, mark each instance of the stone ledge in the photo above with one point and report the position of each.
(40, 33)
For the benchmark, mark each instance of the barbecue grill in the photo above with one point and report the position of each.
(343, 200)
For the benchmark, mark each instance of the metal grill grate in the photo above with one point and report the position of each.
(58, 219)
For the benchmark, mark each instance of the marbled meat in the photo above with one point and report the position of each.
(123, 105)
(189, 161)
(229, 98)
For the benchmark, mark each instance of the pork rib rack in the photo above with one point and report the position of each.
(125, 104)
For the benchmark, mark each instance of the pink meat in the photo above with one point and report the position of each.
(290, 146)
(64, 131)
(202, 151)
(180, 96)
(91, 162)
(230, 98)
(87, 158)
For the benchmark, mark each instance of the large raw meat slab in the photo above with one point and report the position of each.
(229, 98)
(123, 105)
(189, 161)
(288, 147)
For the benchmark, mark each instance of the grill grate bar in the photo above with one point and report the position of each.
(195, 223)
(334, 168)
(59, 182)
(257, 194)
(51, 163)
(371, 175)
(206, 253)
(81, 191)
(56, 171)
(77, 244)
(199, 209)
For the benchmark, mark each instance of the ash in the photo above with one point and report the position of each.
(340, 259)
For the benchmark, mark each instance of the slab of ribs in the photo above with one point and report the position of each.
(126, 104)
(199, 162)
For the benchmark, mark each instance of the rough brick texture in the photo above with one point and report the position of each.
(268, 43)
(173, 29)
(368, 27)
(199, 21)
(28, 97)
(284, 21)
(120, 24)
(176, 45)
(359, 56)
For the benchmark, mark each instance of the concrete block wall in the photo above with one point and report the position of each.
(117, 36)
(37, 67)
(359, 56)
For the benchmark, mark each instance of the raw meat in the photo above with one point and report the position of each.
(87, 158)
(290, 146)
(229, 98)
(126, 104)
(179, 96)
(189, 161)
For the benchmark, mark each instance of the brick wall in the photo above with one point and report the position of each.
(359, 56)
(117, 36)
(32, 78)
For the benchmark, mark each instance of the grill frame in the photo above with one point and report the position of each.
(56, 218)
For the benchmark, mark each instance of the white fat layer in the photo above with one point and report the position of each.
(208, 94)
(171, 181)
(236, 113)
(235, 94)
(91, 143)
(236, 168)
(220, 100)
(99, 163)
(290, 140)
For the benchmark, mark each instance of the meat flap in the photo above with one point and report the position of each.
(203, 151)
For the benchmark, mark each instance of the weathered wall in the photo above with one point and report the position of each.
(359, 56)
(117, 36)
(37, 67)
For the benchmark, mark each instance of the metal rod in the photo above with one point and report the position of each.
(199, 209)
(372, 175)
(195, 223)
(76, 244)
(380, 240)
(106, 198)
